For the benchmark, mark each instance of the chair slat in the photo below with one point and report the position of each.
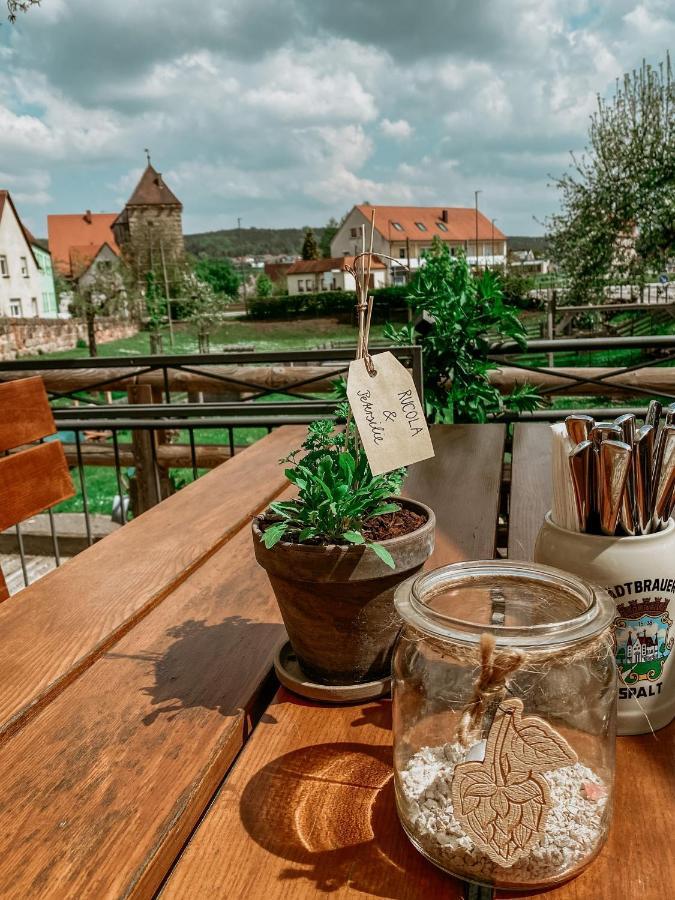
(25, 414)
(31, 481)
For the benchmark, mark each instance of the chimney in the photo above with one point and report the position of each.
(87, 217)
(444, 215)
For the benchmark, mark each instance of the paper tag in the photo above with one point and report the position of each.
(388, 414)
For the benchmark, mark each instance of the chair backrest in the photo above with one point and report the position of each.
(35, 478)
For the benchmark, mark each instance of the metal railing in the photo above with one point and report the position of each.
(650, 376)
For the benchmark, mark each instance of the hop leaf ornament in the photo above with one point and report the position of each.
(504, 801)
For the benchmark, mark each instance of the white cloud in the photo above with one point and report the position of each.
(399, 129)
(289, 113)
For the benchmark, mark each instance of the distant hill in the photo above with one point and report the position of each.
(538, 244)
(251, 242)
(282, 241)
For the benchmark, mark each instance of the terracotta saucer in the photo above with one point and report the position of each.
(292, 677)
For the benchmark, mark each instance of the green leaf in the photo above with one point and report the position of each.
(383, 510)
(384, 555)
(273, 534)
(354, 537)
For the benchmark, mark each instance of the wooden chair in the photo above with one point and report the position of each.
(35, 478)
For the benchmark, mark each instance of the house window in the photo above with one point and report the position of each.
(442, 226)
(301, 289)
(15, 308)
(4, 269)
(24, 267)
(401, 253)
(421, 226)
(397, 226)
(354, 232)
(308, 284)
(34, 306)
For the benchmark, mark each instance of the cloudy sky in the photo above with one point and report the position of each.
(285, 112)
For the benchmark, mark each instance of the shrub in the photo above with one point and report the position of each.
(389, 304)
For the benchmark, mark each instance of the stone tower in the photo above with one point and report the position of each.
(149, 230)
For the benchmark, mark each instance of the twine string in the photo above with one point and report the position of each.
(491, 684)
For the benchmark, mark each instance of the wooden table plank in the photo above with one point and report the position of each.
(308, 810)
(531, 487)
(57, 627)
(461, 484)
(100, 790)
(309, 807)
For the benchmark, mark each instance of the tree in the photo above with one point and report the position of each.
(101, 291)
(309, 246)
(205, 307)
(617, 219)
(17, 6)
(462, 312)
(220, 274)
(263, 285)
(329, 232)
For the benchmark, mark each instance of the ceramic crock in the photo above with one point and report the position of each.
(639, 574)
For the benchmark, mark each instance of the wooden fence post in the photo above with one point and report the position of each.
(550, 322)
(145, 485)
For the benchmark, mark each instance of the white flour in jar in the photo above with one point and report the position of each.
(574, 828)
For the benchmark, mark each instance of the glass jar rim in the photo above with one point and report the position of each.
(596, 616)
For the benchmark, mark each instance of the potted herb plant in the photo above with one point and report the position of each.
(336, 553)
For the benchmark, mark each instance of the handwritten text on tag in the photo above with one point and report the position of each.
(388, 414)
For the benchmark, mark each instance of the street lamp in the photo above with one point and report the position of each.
(475, 197)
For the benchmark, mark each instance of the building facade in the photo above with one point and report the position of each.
(406, 232)
(22, 282)
(315, 275)
(48, 293)
(149, 230)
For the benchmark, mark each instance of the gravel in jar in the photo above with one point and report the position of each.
(574, 828)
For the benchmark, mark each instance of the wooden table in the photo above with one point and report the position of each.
(144, 746)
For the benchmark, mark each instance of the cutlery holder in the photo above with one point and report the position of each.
(639, 574)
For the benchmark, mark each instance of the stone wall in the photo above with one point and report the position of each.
(29, 337)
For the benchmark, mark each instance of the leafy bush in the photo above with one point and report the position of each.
(337, 492)
(516, 287)
(464, 313)
(220, 274)
(390, 303)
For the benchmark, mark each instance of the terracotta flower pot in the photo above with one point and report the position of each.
(337, 602)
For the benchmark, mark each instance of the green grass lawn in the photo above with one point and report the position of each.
(299, 335)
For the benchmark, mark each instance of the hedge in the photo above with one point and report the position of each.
(389, 303)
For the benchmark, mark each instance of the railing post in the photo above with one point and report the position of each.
(144, 492)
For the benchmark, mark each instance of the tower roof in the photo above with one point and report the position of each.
(152, 191)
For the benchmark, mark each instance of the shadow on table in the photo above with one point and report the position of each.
(330, 811)
(210, 666)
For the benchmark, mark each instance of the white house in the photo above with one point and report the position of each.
(404, 232)
(314, 275)
(22, 283)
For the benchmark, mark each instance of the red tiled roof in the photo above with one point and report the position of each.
(152, 191)
(78, 231)
(82, 257)
(308, 266)
(461, 224)
(5, 196)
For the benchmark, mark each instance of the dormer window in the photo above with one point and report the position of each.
(397, 226)
(421, 226)
(442, 226)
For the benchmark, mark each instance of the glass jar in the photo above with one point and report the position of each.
(504, 697)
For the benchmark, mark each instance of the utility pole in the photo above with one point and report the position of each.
(241, 265)
(475, 197)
